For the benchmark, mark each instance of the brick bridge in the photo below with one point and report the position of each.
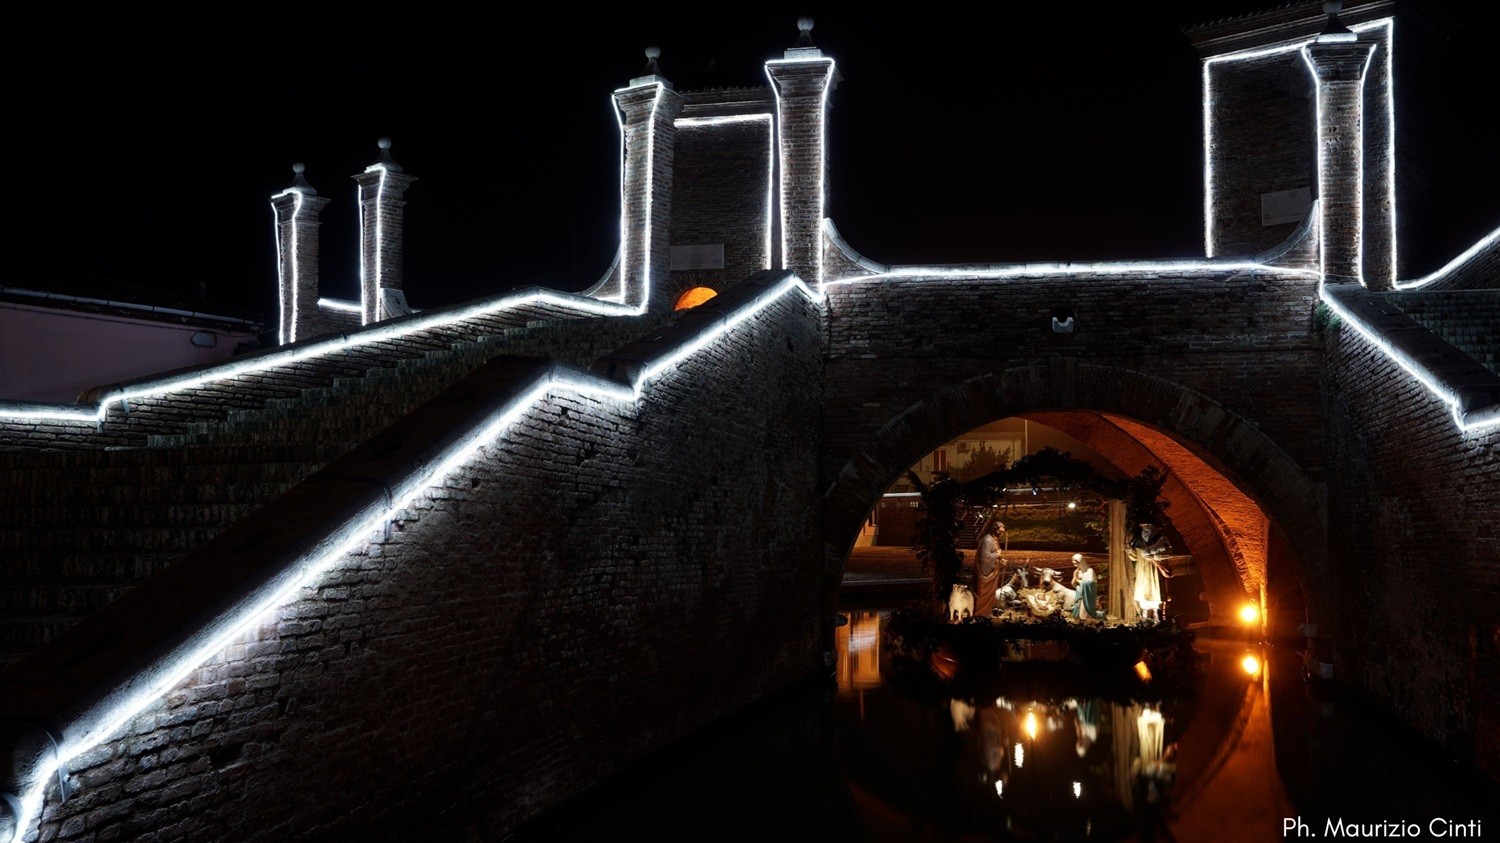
(382, 579)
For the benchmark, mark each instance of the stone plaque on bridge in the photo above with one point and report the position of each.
(709, 256)
(1284, 206)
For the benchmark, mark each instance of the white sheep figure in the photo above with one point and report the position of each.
(960, 603)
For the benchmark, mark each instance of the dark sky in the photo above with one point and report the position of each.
(148, 156)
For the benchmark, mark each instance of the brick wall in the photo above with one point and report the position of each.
(720, 196)
(80, 528)
(1467, 319)
(1226, 362)
(600, 583)
(1415, 549)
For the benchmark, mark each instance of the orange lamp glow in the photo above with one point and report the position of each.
(694, 297)
(1249, 613)
(1250, 664)
(1143, 671)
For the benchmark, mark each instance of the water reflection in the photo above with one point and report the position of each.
(875, 759)
(1021, 766)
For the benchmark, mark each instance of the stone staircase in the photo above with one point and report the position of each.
(87, 513)
(1467, 319)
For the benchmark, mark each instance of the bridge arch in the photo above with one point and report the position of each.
(1220, 462)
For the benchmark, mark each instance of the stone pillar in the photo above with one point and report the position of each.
(1338, 63)
(297, 211)
(382, 215)
(648, 108)
(802, 81)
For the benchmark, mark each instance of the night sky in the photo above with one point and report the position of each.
(148, 157)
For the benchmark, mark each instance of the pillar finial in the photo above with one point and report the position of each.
(804, 49)
(385, 160)
(653, 53)
(299, 181)
(804, 33)
(1335, 29)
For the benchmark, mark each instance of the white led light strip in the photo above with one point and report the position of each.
(370, 335)
(1412, 367)
(1210, 245)
(340, 304)
(817, 234)
(1023, 270)
(369, 292)
(1487, 242)
(131, 701)
(682, 122)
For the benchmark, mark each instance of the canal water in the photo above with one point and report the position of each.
(887, 751)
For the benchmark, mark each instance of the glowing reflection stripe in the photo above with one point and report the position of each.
(1210, 246)
(817, 234)
(1486, 242)
(1412, 367)
(689, 122)
(1359, 168)
(368, 336)
(358, 529)
(341, 304)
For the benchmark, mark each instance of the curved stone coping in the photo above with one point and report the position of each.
(1477, 267)
(94, 404)
(90, 681)
(1472, 390)
(1296, 254)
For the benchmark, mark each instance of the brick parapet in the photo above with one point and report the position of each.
(533, 569)
(1219, 333)
(1469, 320)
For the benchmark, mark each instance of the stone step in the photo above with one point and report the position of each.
(22, 632)
(112, 566)
(77, 598)
(69, 539)
(94, 516)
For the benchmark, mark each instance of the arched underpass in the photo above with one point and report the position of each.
(1248, 516)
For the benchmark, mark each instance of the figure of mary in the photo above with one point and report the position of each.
(1087, 600)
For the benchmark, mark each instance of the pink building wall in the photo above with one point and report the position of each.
(54, 355)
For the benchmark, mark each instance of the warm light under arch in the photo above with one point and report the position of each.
(694, 296)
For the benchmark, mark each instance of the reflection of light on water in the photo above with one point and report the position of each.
(1020, 755)
(859, 651)
(1250, 664)
(962, 713)
(1143, 671)
(1077, 790)
(1030, 725)
(999, 788)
